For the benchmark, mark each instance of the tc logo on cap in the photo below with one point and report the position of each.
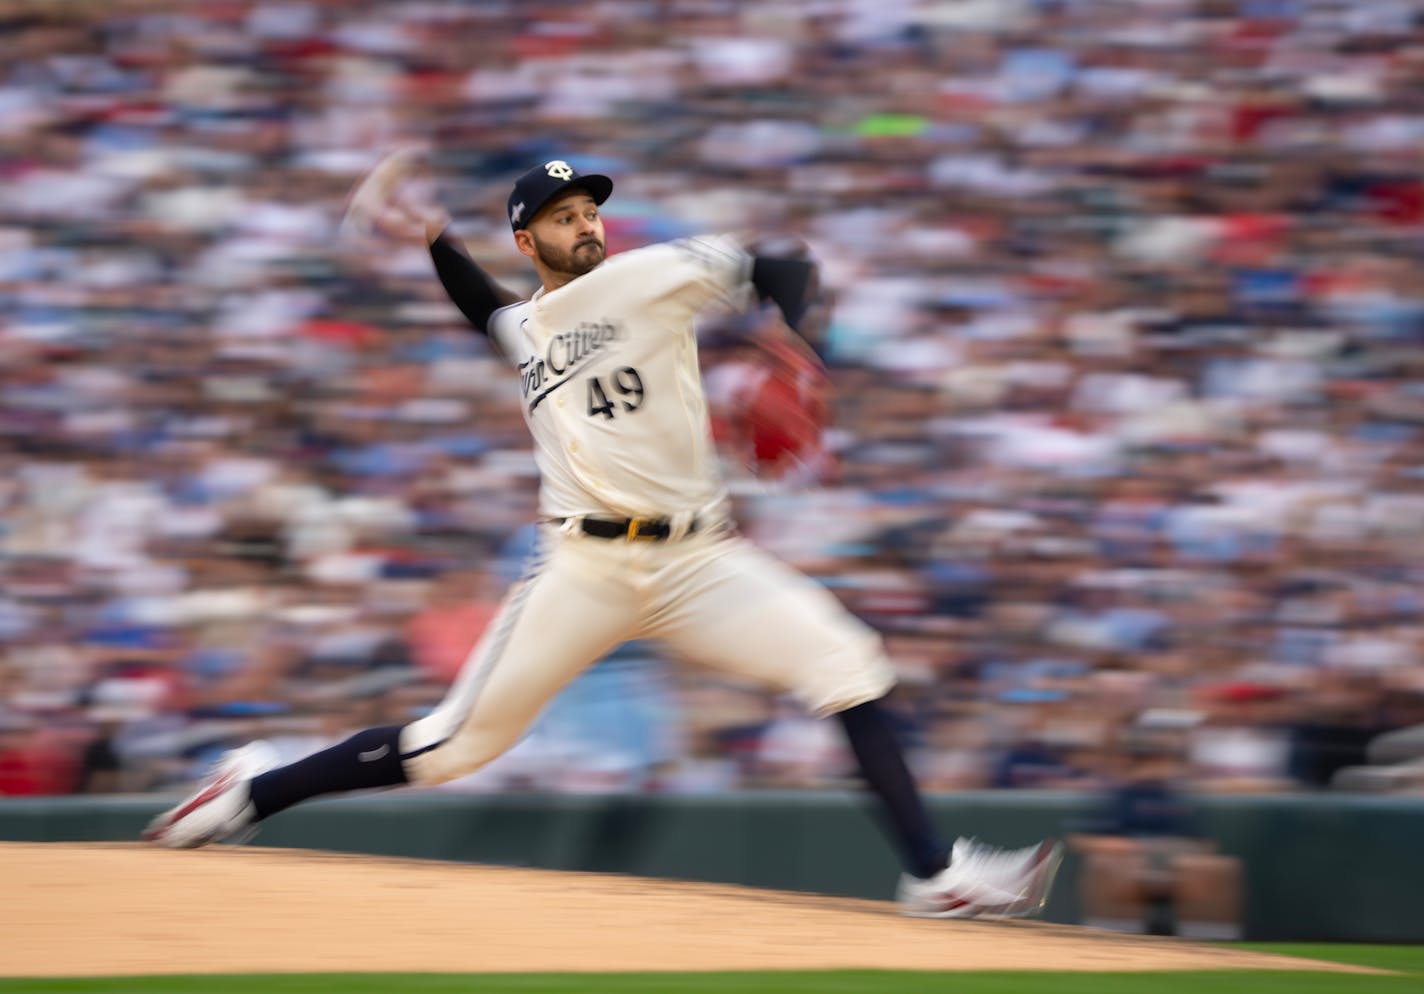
(559, 169)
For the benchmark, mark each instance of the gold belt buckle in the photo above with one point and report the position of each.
(635, 526)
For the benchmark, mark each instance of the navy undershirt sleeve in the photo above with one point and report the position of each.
(788, 283)
(469, 287)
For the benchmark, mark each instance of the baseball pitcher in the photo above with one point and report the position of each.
(635, 536)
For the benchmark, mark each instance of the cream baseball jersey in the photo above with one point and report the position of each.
(610, 384)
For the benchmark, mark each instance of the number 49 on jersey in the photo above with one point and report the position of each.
(621, 390)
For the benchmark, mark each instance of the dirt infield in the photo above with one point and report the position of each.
(111, 909)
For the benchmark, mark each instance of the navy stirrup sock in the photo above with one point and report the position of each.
(365, 760)
(882, 763)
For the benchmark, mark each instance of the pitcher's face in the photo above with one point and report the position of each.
(566, 236)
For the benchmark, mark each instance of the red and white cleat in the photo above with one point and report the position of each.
(221, 808)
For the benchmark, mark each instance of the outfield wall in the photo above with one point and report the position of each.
(1317, 867)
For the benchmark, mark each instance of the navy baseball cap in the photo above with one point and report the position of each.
(543, 183)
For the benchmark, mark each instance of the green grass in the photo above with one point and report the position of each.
(1404, 959)
(1407, 961)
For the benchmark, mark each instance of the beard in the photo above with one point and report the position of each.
(576, 261)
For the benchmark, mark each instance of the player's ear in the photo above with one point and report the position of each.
(524, 241)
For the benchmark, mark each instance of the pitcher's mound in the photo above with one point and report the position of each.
(110, 909)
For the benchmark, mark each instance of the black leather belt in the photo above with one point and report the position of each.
(644, 529)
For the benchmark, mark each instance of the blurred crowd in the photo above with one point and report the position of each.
(1128, 433)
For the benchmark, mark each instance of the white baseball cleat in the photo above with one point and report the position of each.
(1041, 870)
(984, 882)
(221, 808)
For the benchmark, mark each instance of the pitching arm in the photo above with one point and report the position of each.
(469, 287)
(384, 202)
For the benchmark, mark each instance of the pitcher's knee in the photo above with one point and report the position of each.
(854, 673)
